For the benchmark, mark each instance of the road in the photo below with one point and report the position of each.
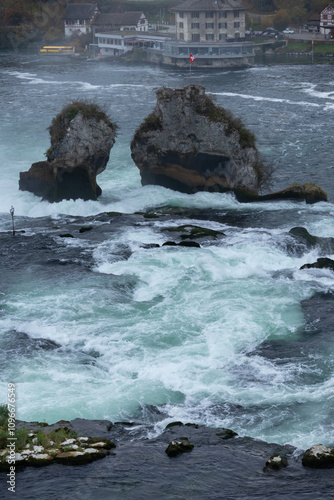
(306, 35)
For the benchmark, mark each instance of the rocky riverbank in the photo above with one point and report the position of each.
(214, 463)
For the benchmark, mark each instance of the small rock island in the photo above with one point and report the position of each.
(82, 136)
(189, 144)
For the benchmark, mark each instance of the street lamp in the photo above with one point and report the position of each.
(12, 214)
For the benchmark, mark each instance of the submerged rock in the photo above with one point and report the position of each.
(300, 241)
(276, 462)
(189, 144)
(81, 139)
(178, 446)
(322, 263)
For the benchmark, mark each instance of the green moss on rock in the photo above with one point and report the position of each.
(176, 447)
(319, 457)
(226, 434)
(276, 462)
(60, 123)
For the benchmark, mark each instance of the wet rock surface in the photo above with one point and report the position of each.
(319, 457)
(140, 468)
(37, 445)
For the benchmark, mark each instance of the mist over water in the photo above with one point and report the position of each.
(215, 335)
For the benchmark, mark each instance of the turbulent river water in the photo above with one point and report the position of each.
(231, 334)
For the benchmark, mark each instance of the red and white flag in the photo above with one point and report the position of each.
(192, 58)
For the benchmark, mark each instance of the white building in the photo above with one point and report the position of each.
(118, 43)
(78, 18)
(209, 33)
(210, 21)
(327, 20)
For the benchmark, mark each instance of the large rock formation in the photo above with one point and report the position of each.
(81, 139)
(189, 144)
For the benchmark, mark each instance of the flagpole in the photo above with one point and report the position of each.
(191, 60)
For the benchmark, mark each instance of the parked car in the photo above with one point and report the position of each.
(271, 32)
(288, 31)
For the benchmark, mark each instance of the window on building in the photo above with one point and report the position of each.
(222, 26)
(181, 15)
(181, 36)
(195, 26)
(222, 36)
(209, 14)
(195, 37)
(236, 14)
(236, 35)
(209, 37)
(223, 15)
(324, 16)
(181, 25)
(209, 25)
(237, 25)
(195, 14)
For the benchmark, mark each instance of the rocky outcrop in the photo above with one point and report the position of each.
(322, 263)
(309, 192)
(189, 144)
(303, 241)
(319, 457)
(37, 447)
(81, 139)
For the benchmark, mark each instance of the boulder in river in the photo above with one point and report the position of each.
(82, 136)
(319, 457)
(189, 144)
(309, 192)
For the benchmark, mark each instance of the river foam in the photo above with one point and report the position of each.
(215, 335)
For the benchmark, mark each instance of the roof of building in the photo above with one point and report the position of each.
(117, 19)
(200, 5)
(111, 19)
(131, 17)
(328, 7)
(80, 10)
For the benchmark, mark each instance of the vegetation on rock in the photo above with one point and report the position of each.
(276, 462)
(319, 457)
(178, 446)
(206, 107)
(38, 448)
(61, 122)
